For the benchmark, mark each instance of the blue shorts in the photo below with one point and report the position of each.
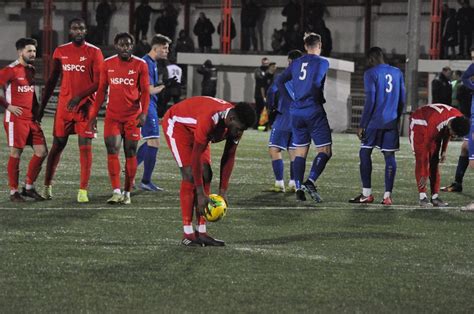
(383, 139)
(151, 129)
(280, 139)
(307, 127)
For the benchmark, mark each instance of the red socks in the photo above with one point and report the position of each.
(113, 164)
(34, 169)
(186, 195)
(13, 170)
(86, 165)
(130, 172)
(52, 163)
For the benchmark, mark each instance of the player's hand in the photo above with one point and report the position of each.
(73, 103)
(141, 120)
(224, 196)
(423, 182)
(16, 110)
(170, 81)
(360, 133)
(202, 202)
(92, 125)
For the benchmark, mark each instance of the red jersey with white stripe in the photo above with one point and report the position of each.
(203, 116)
(80, 67)
(128, 88)
(17, 81)
(435, 117)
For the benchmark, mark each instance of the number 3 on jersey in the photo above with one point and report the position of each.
(389, 82)
(303, 71)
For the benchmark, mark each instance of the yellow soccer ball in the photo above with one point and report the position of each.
(216, 208)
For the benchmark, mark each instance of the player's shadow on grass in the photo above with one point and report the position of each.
(311, 237)
(438, 215)
(44, 218)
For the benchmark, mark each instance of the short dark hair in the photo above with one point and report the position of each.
(375, 53)
(311, 39)
(272, 63)
(23, 42)
(444, 69)
(77, 20)
(458, 72)
(123, 35)
(245, 113)
(159, 39)
(294, 54)
(460, 126)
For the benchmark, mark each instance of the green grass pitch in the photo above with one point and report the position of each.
(281, 256)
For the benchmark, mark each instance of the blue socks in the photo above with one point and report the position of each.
(463, 162)
(319, 163)
(149, 163)
(141, 153)
(366, 167)
(277, 166)
(390, 170)
(298, 167)
(292, 172)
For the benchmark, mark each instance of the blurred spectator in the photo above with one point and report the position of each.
(184, 43)
(142, 19)
(167, 21)
(444, 17)
(441, 90)
(233, 33)
(260, 88)
(456, 82)
(209, 79)
(292, 11)
(248, 20)
(277, 41)
(319, 27)
(295, 38)
(465, 17)
(204, 29)
(142, 47)
(103, 14)
(449, 36)
(173, 92)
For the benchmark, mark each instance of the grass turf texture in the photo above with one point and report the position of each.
(60, 256)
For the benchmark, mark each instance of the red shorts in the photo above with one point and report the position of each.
(127, 129)
(24, 132)
(180, 141)
(75, 122)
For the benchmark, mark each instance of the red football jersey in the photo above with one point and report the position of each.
(80, 67)
(435, 117)
(201, 115)
(128, 88)
(18, 83)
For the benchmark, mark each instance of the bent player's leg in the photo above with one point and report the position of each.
(186, 197)
(324, 153)
(463, 163)
(435, 181)
(39, 154)
(59, 143)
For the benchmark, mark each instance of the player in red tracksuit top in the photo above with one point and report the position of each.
(431, 128)
(189, 127)
(78, 63)
(19, 100)
(126, 79)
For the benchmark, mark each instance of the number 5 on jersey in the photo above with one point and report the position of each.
(303, 71)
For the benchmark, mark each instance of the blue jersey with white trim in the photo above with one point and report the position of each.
(384, 97)
(307, 74)
(153, 76)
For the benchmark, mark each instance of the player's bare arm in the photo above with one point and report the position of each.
(227, 165)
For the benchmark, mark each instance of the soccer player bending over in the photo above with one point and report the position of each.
(280, 136)
(384, 103)
(308, 117)
(78, 63)
(21, 104)
(431, 128)
(125, 78)
(190, 126)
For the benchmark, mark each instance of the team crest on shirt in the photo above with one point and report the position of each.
(131, 72)
(82, 59)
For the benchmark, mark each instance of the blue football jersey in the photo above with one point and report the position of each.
(307, 75)
(384, 97)
(153, 76)
(282, 119)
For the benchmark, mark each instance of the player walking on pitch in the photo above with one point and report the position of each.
(308, 117)
(190, 126)
(21, 104)
(384, 103)
(78, 63)
(125, 78)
